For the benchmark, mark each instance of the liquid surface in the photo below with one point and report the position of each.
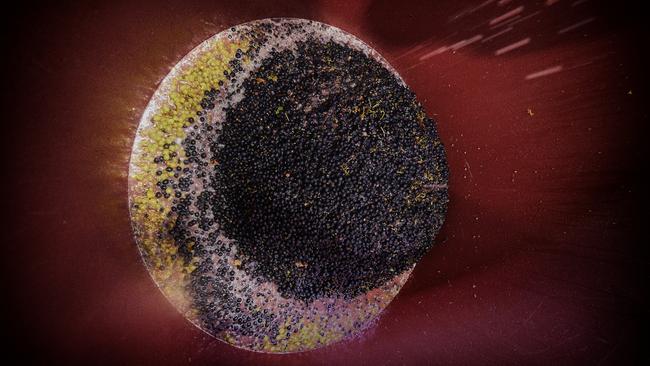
(283, 183)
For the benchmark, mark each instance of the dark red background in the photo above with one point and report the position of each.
(540, 260)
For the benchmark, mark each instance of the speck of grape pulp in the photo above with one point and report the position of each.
(284, 182)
